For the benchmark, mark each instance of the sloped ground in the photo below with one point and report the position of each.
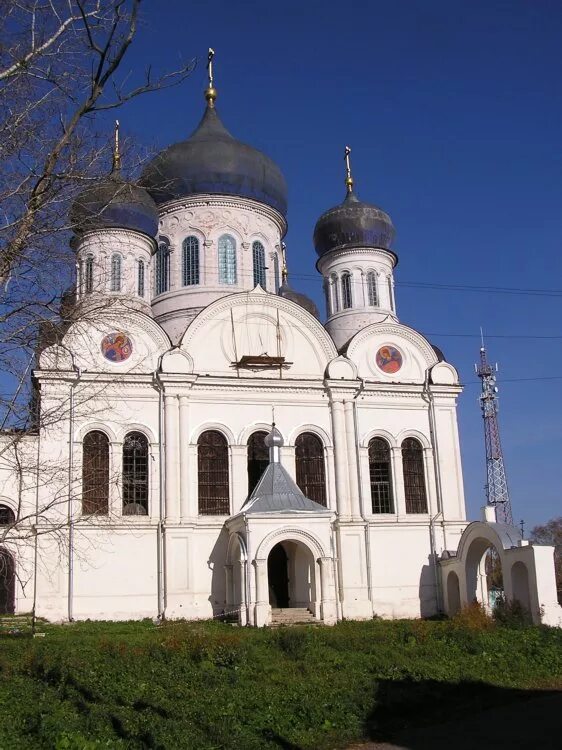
(208, 685)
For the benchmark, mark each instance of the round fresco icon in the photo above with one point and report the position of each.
(389, 359)
(116, 347)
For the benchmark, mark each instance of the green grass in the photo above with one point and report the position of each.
(209, 685)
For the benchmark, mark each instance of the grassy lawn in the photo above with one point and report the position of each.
(208, 685)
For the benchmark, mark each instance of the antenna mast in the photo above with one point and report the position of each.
(497, 493)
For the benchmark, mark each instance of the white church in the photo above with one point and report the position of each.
(207, 447)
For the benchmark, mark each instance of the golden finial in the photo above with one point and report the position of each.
(116, 154)
(348, 177)
(210, 91)
(284, 270)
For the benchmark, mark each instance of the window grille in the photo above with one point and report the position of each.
(380, 473)
(258, 459)
(372, 289)
(89, 275)
(115, 273)
(335, 294)
(346, 290)
(227, 259)
(135, 475)
(276, 273)
(190, 261)
(7, 516)
(212, 473)
(140, 280)
(414, 477)
(258, 254)
(162, 276)
(311, 473)
(95, 474)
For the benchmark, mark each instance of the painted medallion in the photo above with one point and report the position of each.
(389, 359)
(117, 347)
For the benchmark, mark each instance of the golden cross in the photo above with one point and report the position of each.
(210, 67)
(116, 154)
(348, 177)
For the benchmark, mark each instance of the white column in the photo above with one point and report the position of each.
(115, 504)
(398, 481)
(184, 456)
(327, 591)
(430, 485)
(350, 436)
(171, 422)
(238, 476)
(262, 594)
(338, 427)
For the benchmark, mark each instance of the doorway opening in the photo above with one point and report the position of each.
(278, 577)
(7, 583)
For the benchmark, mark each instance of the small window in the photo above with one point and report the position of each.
(390, 294)
(135, 474)
(335, 294)
(7, 516)
(95, 474)
(190, 261)
(346, 290)
(380, 474)
(115, 273)
(276, 276)
(162, 276)
(227, 259)
(258, 254)
(372, 296)
(89, 275)
(328, 297)
(414, 476)
(140, 278)
(212, 474)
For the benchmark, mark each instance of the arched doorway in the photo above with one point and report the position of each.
(7, 583)
(278, 577)
(484, 575)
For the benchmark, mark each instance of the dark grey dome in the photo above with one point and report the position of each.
(353, 224)
(114, 203)
(300, 299)
(212, 161)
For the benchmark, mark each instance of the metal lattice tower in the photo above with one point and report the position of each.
(497, 493)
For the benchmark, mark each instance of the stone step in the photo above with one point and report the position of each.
(292, 616)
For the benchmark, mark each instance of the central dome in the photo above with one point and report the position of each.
(212, 161)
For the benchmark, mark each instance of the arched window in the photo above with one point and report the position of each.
(335, 293)
(380, 474)
(258, 459)
(346, 290)
(372, 295)
(311, 475)
(7, 516)
(7, 583)
(140, 278)
(95, 474)
(328, 297)
(162, 275)
(227, 259)
(414, 477)
(135, 474)
(276, 277)
(190, 261)
(390, 295)
(115, 285)
(89, 275)
(212, 473)
(258, 255)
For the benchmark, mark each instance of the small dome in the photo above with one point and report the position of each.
(353, 224)
(274, 439)
(114, 203)
(300, 299)
(212, 161)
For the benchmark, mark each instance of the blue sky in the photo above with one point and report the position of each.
(453, 111)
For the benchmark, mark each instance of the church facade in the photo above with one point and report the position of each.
(156, 485)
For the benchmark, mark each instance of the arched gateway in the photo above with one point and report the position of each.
(278, 554)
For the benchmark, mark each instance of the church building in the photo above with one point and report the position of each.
(205, 445)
